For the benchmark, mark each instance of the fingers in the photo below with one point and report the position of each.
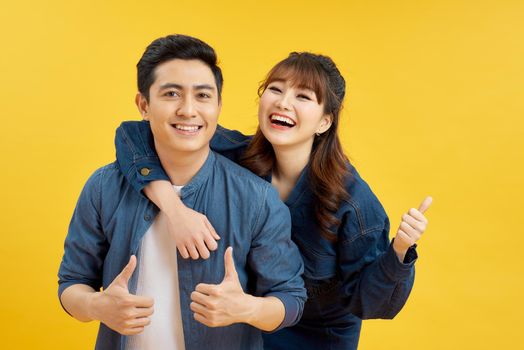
(212, 230)
(417, 215)
(207, 289)
(425, 204)
(133, 331)
(143, 311)
(140, 301)
(413, 234)
(200, 298)
(198, 308)
(229, 264)
(202, 249)
(418, 225)
(183, 251)
(140, 322)
(127, 272)
(192, 251)
(210, 242)
(202, 319)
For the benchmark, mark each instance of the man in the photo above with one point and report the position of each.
(114, 230)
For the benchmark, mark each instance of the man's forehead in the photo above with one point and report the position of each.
(185, 74)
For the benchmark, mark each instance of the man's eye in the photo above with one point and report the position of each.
(204, 95)
(171, 94)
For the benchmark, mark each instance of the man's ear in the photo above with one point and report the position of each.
(143, 105)
(325, 123)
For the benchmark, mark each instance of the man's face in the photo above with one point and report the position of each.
(183, 106)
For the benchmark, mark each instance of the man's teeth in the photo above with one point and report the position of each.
(187, 127)
(282, 119)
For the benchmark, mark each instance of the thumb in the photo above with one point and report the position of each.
(425, 204)
(123, 278)
(229, 264)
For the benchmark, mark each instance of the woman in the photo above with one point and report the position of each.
(352, 271)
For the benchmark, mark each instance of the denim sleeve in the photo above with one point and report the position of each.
(375, 283)
(139, 162)
(275, 259)
(86, 245)
(136, 154)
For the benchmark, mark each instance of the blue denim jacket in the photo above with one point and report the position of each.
(111, 218)
(357, 277)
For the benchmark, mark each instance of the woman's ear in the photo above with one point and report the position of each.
(142, 105)
(325, 123)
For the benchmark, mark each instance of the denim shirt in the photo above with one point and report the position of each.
(111, 219)
(357, 277)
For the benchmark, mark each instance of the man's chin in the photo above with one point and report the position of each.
(188, 147)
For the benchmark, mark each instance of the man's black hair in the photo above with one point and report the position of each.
(172, 47)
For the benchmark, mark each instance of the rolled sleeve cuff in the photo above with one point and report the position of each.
(396, 270)
(145, 171)
(292, 309)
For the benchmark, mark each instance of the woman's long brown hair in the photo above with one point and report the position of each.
(328, 165)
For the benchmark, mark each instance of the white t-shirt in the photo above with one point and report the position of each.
(158, 278)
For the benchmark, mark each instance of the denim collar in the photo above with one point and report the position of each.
(201, 176)
(300, 187)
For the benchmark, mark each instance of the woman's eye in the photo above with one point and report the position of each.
(305, 97)
(274, 88)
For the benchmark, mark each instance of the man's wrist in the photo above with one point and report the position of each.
(252, 312)
(91, 304)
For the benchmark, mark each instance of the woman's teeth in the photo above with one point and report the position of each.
(282, 120)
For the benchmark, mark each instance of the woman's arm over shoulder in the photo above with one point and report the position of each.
(230, 143)
(136, 155)
(139, 162)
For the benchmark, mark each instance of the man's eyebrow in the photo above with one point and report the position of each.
(171, 85)
(204, 87)
(180, 87)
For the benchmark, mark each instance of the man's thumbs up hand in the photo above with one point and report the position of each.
(229, 263)
(411, 228)
(218, 305)
(121, 311)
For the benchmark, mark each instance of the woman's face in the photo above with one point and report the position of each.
(289, 115)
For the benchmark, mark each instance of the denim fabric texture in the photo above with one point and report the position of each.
(357, 277)
(111, 218)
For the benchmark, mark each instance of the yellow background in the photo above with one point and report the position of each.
(435, 106)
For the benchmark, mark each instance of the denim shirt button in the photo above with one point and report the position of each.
(145, 171)
(147, 217)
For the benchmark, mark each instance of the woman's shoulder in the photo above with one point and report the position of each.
(362, 205)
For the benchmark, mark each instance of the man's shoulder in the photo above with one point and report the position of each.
(363, 201)
(106, 172)
(107, 176)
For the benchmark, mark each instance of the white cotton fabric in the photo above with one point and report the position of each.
(158, 278)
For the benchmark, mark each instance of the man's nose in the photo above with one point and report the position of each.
(187, 108)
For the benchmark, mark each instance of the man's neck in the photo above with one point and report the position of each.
(180, 166)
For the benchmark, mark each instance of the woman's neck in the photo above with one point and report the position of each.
(290, 161)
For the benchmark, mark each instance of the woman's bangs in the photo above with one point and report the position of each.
(301, 74)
